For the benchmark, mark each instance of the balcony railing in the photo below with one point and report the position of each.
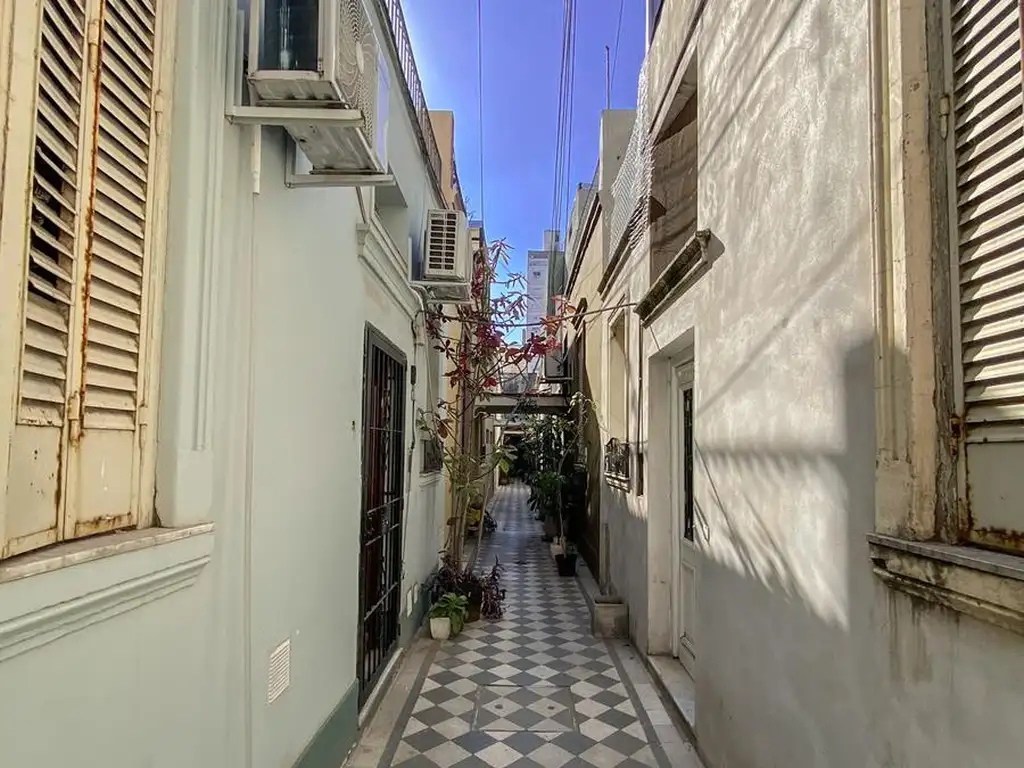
(616, 460)
(433, 456)
(460, 203)
(412, 85)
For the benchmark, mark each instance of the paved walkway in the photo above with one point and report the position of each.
(533, 689)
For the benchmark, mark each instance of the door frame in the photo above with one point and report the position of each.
(371, 662)
(684, 552)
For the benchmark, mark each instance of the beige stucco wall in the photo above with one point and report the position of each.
(587, 275)
(803, 657)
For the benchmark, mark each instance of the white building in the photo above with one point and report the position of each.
(206, 557)
(537, 295)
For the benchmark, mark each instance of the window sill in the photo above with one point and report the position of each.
(81, 583)
(682, 272)
(986, 585)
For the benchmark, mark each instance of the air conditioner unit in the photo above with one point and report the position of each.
(446, 247)
(321, 55)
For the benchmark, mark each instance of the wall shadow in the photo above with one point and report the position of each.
(784, 634)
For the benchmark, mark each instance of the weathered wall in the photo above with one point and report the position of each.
(802, 658)
(260, 432)
(583, 286)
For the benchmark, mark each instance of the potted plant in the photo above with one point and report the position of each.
(447, 616)
(493, 595)
(566, 560)
(474, 594)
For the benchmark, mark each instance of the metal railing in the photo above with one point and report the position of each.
(459, 200)
(402, 49)
(616, 459)
(433, 456)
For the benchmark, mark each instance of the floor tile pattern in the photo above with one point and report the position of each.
(532, 689)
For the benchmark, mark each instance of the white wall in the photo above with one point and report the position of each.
(260, 433)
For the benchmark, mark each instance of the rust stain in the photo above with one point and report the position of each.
(103, 524)
(95, 70)
(1001, 538)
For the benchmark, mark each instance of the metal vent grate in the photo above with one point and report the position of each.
(443, 242)
(279, 676)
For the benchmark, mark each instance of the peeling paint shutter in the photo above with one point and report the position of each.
(104, 462)
(51, 290)
(988, 136)
(75, 447)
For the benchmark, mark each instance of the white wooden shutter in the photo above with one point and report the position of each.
(51, 290)
(988, 136)
(105, 461)
(75, 448)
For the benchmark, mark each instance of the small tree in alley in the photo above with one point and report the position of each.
(476, 362)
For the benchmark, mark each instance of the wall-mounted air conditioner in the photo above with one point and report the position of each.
(446, 247)
(322, 55)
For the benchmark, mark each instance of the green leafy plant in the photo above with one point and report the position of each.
(477, 358)
(552, 443)
(452, 607)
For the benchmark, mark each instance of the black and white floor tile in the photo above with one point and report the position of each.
(532, 689)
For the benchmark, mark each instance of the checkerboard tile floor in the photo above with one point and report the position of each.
(533, 689)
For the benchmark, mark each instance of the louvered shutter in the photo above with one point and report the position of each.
(51, 284)
(105, 461)
(988, 136)
(75, 457)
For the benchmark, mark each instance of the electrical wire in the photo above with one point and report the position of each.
(480, 94)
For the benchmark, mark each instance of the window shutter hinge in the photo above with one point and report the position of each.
(143, 417)
(956, 433)
(74, 417)
(944, 116)
(159, 110)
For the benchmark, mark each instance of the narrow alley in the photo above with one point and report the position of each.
(533, 689)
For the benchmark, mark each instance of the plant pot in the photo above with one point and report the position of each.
(441, 629)
(566, 564)
(473, 611)
(611, 617)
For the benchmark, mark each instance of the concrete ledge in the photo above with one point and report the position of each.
(678, 687)
(988, 586)
(76, 588)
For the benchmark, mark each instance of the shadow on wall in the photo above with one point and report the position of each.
(785, 665)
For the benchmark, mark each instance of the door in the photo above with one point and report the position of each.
(684, 551)
(380, 554)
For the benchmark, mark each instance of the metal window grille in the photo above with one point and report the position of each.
(688, 463)
(380, 556)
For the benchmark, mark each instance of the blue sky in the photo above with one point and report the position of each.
(522, 45)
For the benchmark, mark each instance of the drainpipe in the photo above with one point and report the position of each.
(417, 344)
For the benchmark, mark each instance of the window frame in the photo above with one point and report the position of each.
(917, 547)
(19, 38)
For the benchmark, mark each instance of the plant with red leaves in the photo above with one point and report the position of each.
(474, 341)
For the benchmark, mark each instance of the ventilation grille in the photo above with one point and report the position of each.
(358, 60)
(54, 226)
(444, 235)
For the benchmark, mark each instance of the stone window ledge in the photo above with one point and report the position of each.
(81, 583)
(986, 585)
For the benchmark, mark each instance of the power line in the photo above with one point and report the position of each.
(480, 94)
(611, 86)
